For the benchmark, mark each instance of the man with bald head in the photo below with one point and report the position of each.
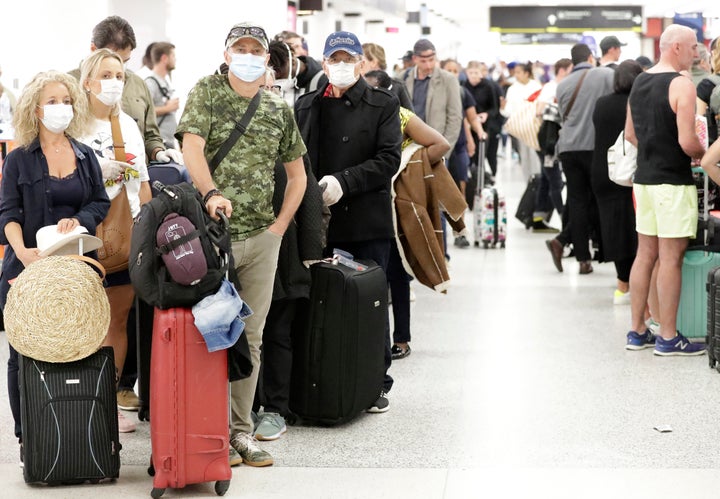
(661, 122)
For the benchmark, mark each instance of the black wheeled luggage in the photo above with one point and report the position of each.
(338, 360)
(69, 419)
(713, 318)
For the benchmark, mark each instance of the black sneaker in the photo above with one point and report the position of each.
(539, 225)
(399, 352)
(382, 404)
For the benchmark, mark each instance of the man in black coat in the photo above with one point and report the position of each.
(352, 133)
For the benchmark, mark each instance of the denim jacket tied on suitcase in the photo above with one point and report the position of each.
(219, 317)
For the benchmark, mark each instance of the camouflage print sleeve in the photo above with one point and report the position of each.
(291, 145)
(197, 115)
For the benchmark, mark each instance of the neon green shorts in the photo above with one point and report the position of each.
(665, 210)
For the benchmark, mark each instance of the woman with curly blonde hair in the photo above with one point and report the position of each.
(26, 118)
(51, 178)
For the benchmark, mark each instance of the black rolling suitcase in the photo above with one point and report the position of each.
(338, 360)
(69, 419)
(713, 318)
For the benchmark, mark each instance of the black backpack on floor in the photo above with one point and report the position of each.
(150, 278)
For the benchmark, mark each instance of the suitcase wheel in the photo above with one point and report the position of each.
(502, 245)
(155, 492)
(151, 468)
(144, 414)
(477, 244)
(222, 486)
(486, 244)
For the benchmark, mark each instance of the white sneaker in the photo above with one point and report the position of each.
(124, 424)
(620, 298)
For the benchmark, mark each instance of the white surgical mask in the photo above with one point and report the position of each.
(342, 74)
(248, 67)
(110, 91)
(286, 84)
(57, 117)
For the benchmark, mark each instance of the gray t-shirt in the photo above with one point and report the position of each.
(161, 92)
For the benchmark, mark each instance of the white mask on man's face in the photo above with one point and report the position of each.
(342, 74)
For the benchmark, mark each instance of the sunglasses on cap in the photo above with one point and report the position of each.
(241, 31)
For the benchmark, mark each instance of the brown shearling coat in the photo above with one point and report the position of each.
(420, 191)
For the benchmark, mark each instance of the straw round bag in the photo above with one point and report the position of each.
(57, 310)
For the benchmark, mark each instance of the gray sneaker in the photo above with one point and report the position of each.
(270, 426)
(250, 451)
(235, 458)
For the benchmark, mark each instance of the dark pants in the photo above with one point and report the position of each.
(273, 391)
(577, 165)
(128, 377)
(623, 267)
(399, 281)
(491, 149)
(14, 389)
(377, 250)
(549, 193)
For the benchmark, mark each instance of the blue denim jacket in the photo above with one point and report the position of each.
(219, 317)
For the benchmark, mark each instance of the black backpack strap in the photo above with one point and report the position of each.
(163, 90)
(240, 128)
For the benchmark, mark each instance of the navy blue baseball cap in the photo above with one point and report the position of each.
(342, 40)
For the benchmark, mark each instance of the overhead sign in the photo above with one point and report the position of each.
(540, 38)
(565, 19)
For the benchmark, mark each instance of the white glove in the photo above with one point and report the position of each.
(307, 263)
(112, 169)
(170, 154)
(332, 192)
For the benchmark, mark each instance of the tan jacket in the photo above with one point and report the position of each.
(420, 191)
(443, 108)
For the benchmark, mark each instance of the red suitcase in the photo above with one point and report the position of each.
(189, 406)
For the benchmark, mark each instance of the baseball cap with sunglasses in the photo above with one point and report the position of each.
(246, 30)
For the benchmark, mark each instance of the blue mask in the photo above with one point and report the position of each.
(248, 67)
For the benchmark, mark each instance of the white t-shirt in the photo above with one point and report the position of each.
(100, 140)
(548, 92)
(517, 93)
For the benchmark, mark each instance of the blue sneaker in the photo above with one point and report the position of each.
(679, 345)
(640, 341)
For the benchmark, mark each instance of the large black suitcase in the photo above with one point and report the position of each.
(526, 206)
(69, 419)
(338, 359)
(713, 318)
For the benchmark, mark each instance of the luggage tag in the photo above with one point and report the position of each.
(344, 258)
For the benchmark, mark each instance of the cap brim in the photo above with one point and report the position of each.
(235, 40)
(340, 49)
(70, 246)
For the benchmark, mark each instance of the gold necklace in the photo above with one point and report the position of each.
(57, 147)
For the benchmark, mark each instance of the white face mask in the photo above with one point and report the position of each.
(286, 84)
(57, 117)
(342, 74)
(248, 67)
(110, 91)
